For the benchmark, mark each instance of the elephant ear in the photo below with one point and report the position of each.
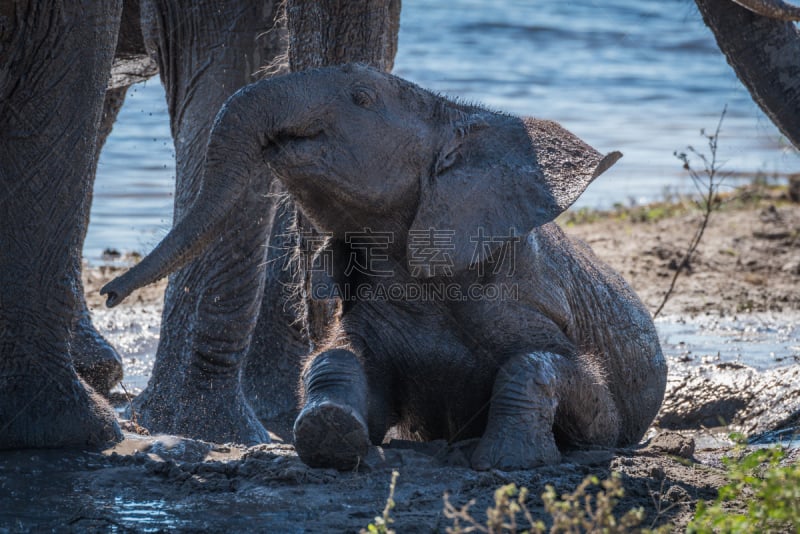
(496, 178)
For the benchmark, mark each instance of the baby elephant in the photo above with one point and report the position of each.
(465, 312)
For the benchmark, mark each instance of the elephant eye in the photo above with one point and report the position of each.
(363, 97)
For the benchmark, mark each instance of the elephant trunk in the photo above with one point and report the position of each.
(234, 152)
(763, 52)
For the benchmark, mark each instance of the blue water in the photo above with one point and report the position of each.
(640, 77)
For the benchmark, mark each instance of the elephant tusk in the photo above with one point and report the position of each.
(773, 9)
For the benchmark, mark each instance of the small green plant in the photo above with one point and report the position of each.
(576, 512)
(761, 495)
(382, 522)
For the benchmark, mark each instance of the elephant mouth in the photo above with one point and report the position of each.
(296, 147)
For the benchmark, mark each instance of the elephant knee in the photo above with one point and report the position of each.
(587, 413)
(527, 382)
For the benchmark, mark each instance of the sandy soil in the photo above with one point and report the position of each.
(749, 260)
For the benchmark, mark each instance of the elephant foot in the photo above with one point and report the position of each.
(153, 410)
(513, 450)
(205, 410)
(331, 430)
(54, 409)
(94, 358)
(519, 431)
(221, 419)
(330, 435)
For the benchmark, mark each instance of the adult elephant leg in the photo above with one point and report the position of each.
(205, 51)
(94, 358)
(280, 342)
(55, 60)
(329, 32)
(210, 401)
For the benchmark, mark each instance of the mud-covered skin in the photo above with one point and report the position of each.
(55, 61)
(574, 352)
(519, 374)
(332, 428)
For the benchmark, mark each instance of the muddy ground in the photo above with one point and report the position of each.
(749, 260)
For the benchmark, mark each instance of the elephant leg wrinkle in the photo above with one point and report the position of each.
(55, 66)
(95, 360)
(519, 432)
(331, 430)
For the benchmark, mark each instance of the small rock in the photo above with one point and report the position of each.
(657, 472)
(672, 443)
(792, 266)
(677, 494)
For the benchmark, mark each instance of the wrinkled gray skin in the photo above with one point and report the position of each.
(93, 357)
(95, 360)
(762, 44)
(223, 50)
(205, 51)
(47, 149)
(573, 360)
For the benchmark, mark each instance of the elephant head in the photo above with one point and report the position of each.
(358, 148)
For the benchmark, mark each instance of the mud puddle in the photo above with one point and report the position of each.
(72, 491)
(185, 485)
(149, 484)
(759, 340)
(765, 342)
